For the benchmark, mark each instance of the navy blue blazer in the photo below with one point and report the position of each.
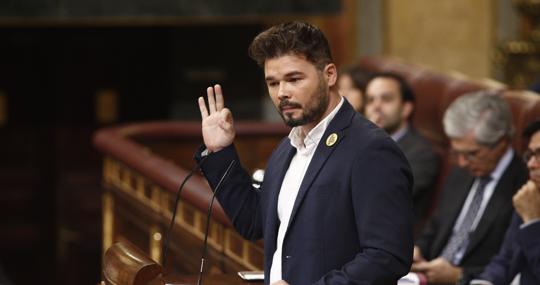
(352, 219)
(519, 253)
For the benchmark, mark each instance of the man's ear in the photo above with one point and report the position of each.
(330, 74)
(407, 110)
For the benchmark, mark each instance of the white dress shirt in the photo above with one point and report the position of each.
(305, 148)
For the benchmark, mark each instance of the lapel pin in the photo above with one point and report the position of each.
(332, 139)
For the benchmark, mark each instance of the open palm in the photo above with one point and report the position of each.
(217, 121)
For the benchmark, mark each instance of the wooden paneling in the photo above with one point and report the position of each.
(446, 35)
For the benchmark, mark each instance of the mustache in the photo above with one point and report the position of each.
(288, 104)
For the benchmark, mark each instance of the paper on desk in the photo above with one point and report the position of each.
(251, 275)
(409, 279)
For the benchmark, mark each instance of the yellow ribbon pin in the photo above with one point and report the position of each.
(332, 139)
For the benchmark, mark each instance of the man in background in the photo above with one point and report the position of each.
(475, 208)
(352, 85)
(519, 256)
(390, 105)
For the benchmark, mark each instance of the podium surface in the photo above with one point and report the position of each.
(213, 279)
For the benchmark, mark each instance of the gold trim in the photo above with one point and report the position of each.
(189, 218)
(155, 244)
(108, 220)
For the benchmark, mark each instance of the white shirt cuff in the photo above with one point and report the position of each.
(533, 221)
(480, 282)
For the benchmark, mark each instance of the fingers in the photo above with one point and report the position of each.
(219, 97)
(227, 122)
(215, 99)
(421, 266)
(211, 100)
(202, 108)
(523, 191)
(531, 185)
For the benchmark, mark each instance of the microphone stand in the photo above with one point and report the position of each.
(209, 215)
(176, 202)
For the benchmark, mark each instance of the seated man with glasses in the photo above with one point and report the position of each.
(519, 256)
(475, 207)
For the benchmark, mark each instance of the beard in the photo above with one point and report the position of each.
(392, 126)
(312, 112)
(388, 122)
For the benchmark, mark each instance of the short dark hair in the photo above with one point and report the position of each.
(407, 95)
(359, 75)
(298, 38)
(531, 129)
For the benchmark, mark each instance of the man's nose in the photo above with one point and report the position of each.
(376, 104)
(283, 92)
(533, 162)
(462, 161)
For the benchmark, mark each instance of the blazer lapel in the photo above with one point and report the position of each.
(460, 193)
(338, 126)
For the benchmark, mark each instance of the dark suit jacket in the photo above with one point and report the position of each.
(520, 253)
(488, 235)
(352, 219)
(425, 167)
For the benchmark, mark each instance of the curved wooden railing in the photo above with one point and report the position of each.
(143, 166)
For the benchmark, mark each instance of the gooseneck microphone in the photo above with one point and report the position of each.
(176, 202)
(208, 216)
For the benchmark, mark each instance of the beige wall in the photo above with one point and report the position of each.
(444, 34)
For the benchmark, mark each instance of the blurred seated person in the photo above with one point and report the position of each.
(475, 207)
(519, 256)
(352, 85)
(390, 105)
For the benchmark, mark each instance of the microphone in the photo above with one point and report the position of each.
(209, 215)
(176, 202)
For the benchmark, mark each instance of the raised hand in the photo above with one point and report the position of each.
(527, 202)
(217, 121)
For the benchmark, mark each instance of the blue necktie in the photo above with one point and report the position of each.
(460, 239)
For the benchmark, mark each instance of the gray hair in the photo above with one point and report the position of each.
(483, 113)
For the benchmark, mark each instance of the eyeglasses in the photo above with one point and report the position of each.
(529, 153)
(469, 155)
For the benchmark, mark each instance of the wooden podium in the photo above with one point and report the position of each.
(125, 264)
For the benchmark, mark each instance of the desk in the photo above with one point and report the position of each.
(214, 279)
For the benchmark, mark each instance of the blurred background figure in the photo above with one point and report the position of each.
(390, 105)
(352, 85)
(475, 208)
(519, 256)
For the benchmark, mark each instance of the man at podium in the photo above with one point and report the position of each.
(335, 203)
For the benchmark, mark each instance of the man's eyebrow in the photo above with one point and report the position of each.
(287, 75)
(293, 73)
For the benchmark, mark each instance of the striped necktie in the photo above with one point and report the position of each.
(460, 239)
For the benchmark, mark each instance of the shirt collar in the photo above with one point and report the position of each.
(307, 143)
(397, 135)
(502, 164)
